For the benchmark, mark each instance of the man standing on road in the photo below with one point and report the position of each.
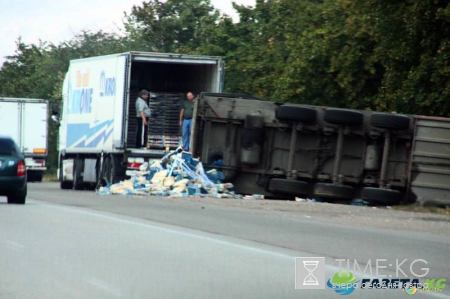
(142, 115)
(186, 114)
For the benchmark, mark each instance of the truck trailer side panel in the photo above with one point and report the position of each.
(10, 117)
(93, 111)
(26, 120)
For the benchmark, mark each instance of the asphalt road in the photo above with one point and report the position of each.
(76, 244)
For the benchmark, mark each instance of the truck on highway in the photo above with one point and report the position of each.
(26, 121)
(98, 117)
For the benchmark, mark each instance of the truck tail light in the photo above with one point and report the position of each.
(21, 170)
(134, 164)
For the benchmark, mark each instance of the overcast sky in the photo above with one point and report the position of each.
(58, 20)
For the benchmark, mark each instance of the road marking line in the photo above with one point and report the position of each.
(14, 245)
(104, 286)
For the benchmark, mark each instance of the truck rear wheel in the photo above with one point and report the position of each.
(77, 180)
(331, 191)
(64, 184)
(390, 121)
(381, 196)
(296, 113)
(288, 186)
(111, 170)
(343, 117)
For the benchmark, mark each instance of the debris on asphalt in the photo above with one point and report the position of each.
(359, 202)
(310, 200)
(177, 174)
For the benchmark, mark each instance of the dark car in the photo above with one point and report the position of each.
(13, 173)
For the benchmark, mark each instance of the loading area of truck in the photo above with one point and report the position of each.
(98, 116)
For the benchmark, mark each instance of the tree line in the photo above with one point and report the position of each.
(384, 55)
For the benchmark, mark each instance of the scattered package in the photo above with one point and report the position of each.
(177, 174)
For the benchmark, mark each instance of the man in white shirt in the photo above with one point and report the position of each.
(142, 115)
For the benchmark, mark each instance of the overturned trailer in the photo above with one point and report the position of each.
(285, 150)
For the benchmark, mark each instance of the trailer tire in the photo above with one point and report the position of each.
(288, 186)
(64, 184)
(390, 121)
(381, 196)
(332, 191)
(296, 113)
(343, 117)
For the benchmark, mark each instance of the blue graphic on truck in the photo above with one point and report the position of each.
(82, 135)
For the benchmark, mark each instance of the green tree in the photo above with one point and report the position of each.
(174, 26)
(380, 55)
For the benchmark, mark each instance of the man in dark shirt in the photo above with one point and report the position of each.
(186, 114)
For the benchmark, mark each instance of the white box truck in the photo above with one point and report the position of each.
(25, 120)
(98, 118)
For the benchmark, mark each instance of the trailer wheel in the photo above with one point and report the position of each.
(381, 196)
(343, 117)
(389, 121)
(77, 184)
(288, 186)
(63, 184)
(326, 190)
(296, 113)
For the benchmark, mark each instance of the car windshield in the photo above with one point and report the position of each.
(7, 147)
